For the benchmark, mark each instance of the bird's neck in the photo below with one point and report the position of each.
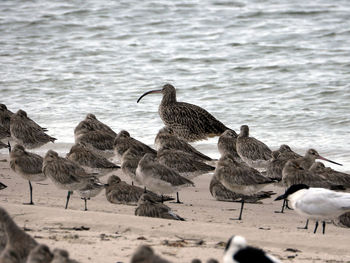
(169, 98)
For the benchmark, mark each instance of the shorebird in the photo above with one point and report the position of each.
(279, 159)
(124, 141)
(160, 178)
(91, 161)
(147, 206)
(92, 189)
(343, 220)
(221, 193)
(336, 177)
(167, 139)
(94, 124)
(119, 192)
(252, 151)
(26, 132)
(227, 144)
(239, 178)
(62, 256)
(28, 166)
(65, 174)
(184, 163)
(189, 122)
(145, 254)
(4, 133)
(40, 254)
(237, 251)
(309, 159)
(19, 243)
(5, 117)
(129, 162)
(317, 204)
(3, 145)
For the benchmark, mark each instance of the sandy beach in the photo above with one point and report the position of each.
(111, 233)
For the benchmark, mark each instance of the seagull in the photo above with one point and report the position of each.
(189, 122)
(145, 254)
(252, 151)
(317, 204)
(28, 166)
(237, 251)
(147, 206)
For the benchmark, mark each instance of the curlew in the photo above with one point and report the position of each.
(167, 139)
(147, 206)
(188, 121)
(160, 178)
(19, 244)
(145, 254)
(119, 192)
(94, 124)
(252, 151)
(310, 157)
(239, 178)
(91, 161)
(317, 204)
(65, 174)
(26, 132)
(28, 166)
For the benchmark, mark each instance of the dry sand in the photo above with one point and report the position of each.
(114, 232)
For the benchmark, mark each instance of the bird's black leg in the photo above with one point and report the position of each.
(145, 191)
(316, 226)
(9, 146)
(306, 226)
(283, 205)
(85, 201)
(177, 198)
(68, 196)
(323, 227)
(162, 199)
(240, 212)
(31, 194)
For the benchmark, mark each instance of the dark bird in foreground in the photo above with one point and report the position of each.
(145, 254)
(189, 122)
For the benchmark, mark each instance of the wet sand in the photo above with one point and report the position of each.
(111, 233)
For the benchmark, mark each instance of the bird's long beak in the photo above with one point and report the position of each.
(281, 197)
(149, 92)
(325, 159)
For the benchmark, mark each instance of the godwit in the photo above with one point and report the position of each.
(239, 178)
(119, 192)
(237, 251)
(337, 178)
(185, 164)
(92, 189)
(91, 161)
(227, 144)
(129, 163)
(189, 122)
(167, 139)
(124, 141)
(26, 132)
(94, 124)
(160, 178)
(147, 206)
(62, 256)
(145, 254)
(28, 166)
(317, 204)
(19, 243)
(252, 151)
(309, 159)
(40, 254)
(343, 220)
(221, 193)
(65, 174)
(5, 117)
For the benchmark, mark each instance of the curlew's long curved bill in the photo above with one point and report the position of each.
(325, 159)
(149, 92)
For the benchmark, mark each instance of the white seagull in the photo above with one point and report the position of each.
(237, 251)
(317, 204)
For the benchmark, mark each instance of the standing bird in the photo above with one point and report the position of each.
(239, 178)
(227, 144)
(189, 122)
(40, 254)
(252, 151)
(91, 161)
(92, 189)
(26, 132)
(147, 206)
(309, 159)
(28, 166)
(166, 138)
(145, 254)
(317, 204)
(119, 192)
(237, 251)
(94, 124)
(19, 243)
(160, 178)
(65, 174)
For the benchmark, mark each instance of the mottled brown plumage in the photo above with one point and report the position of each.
(147, 206)
(4, 133)
(62, 256)
(94, 125)
(26, 132)
(5, 117)
(309, 159)
(227, 144)
(3, 145)
(145, 254)
(343, 220)
(189, 122)
(40, 254)
(336, 177)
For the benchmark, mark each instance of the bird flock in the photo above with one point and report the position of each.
(245, 167)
